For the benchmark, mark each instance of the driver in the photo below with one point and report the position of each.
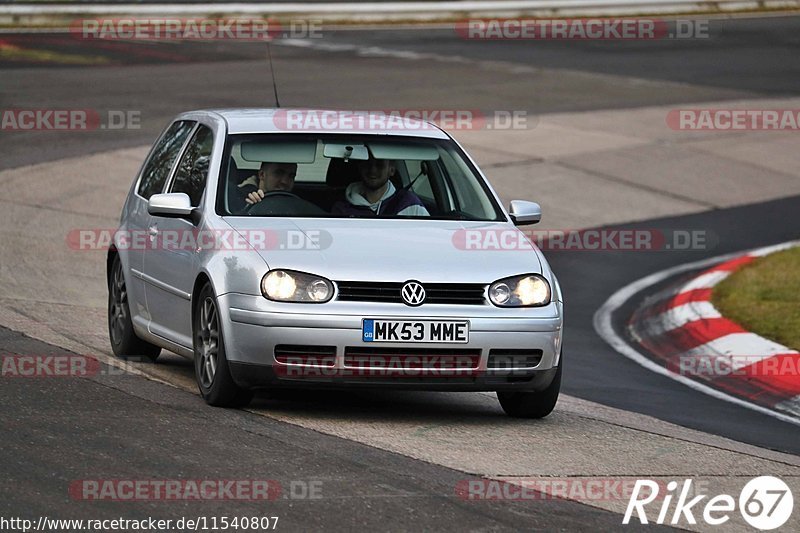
(271, 177)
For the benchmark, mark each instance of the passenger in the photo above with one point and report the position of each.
(270, 178)
(376, 195)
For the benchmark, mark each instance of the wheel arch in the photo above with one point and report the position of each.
(201, 281)
(110, 257)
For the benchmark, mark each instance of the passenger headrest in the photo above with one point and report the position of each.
(341, 174)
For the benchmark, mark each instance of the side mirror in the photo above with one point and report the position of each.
(523, 212)
(172, 205)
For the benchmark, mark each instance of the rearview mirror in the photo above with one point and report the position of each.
(346, 151)
(523, 212)
(172, 205)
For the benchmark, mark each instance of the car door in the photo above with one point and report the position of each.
(171, 265)
(152, 180)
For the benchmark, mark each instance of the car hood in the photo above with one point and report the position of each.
(385, 250)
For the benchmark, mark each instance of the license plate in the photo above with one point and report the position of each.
(448, 331)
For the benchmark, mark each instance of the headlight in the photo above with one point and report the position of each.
(289, 286)
(529, 290)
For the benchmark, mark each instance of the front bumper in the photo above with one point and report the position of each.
(253, 327)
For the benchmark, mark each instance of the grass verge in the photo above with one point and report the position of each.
(764, 297)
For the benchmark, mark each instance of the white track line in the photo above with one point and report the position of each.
(603, 326)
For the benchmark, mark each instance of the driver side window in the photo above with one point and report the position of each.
(158, 167)
(192, 171)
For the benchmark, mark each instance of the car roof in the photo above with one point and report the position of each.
(293, 120)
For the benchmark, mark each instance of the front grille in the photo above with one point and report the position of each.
(500, 359)
(389, 292)
(300, 354)
(412, 358)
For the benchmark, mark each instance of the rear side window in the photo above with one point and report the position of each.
(158, 166)
(190, 177)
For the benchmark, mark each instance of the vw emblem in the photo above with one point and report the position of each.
(413, 294)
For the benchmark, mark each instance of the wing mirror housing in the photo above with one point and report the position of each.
(523, 212)
(171, 205)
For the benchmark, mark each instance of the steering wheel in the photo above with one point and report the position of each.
(272, 194)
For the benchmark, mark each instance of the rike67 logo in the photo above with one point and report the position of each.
(765, 503)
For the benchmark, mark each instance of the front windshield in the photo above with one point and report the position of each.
(351, 176)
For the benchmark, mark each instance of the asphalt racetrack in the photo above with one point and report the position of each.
(597, 154)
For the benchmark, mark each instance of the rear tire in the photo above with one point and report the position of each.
(210, 363)
(532, 404)
(124, 342)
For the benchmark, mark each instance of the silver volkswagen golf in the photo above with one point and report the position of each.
(301, 248)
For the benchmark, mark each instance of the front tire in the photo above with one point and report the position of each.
(210, 363)
(532, 404)
(124, 342)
